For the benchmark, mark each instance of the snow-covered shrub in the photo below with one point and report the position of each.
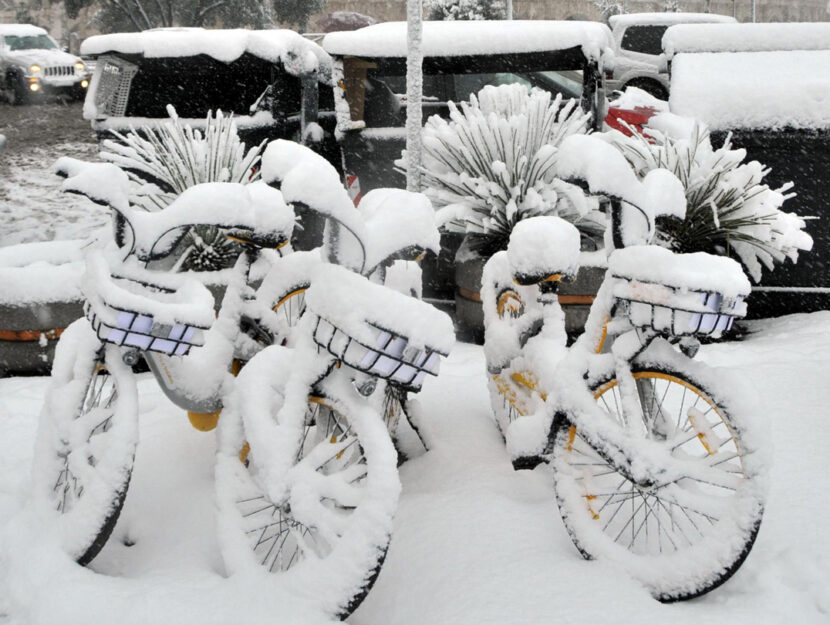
(164, 161)
(729, 209)
(466, 9)
(494, 162)
(609, 7)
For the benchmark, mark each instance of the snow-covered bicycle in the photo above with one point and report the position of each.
(306, 475)
(137, 308)
(657, 464)
(390, 230)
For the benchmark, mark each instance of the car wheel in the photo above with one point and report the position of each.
(15, 91)
(651, 87)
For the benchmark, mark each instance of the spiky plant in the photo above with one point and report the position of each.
(164, 161)
(493, 163)
(730, 211)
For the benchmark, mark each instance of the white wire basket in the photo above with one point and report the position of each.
(390, 357)
(146, 315)
(678, 312)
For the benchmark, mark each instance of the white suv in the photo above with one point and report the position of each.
(638, 41)
(32, 64)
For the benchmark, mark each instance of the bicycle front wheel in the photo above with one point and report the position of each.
(86, 442)
(324, 534)
(680, 539)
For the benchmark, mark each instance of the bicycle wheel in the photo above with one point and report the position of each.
(290, 307)
(321, 528)
(86, 441)
(680, 539)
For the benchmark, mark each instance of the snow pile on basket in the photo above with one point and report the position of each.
(377, 330)
(683, 294)
(150, 311)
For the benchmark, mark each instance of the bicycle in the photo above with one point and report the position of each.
(391, 231)
(306, 472)
(137, 309)
(656, 466)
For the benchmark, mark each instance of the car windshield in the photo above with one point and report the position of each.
(31, 42)
(644, 39)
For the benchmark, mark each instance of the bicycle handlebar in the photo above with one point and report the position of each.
(256, 209)
(601, 168)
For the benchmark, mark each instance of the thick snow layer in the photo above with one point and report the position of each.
(625, 20)
(352, 303)
(753, 89)
(298, 54)
(605, 170)
(53, 252)
(40, 282)
(474, 541)
(21, 30)
(745, 38)
(395, 220)
(259, 119)
(543, 246)
(464, 38)
(687, 272)
(37, 273)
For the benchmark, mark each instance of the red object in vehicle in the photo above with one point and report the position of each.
(626, 119)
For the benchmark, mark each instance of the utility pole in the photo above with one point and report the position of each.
(753, 11)
(510, 9)
(414, 93)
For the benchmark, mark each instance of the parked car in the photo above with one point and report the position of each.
(638, 46)
(276, 83)
(768, 86)
(460, 58)
(32, 66)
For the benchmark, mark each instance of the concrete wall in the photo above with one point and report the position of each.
(766, 10)
(71, 32)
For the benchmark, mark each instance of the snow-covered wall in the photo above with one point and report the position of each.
(767, 10)
(71, 32)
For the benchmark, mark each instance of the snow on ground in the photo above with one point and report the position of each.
(475, 542)
(32, 208)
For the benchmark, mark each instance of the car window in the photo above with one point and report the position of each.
(644, 39)
(385, 96)
(33, 42)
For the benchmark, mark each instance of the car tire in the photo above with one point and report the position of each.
(652, 87)
(15, 91)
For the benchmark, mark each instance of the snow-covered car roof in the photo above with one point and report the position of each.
(297, 53)
(470, 38)
(753, 90)
(21, 30)
(745, 37)
(650, 19)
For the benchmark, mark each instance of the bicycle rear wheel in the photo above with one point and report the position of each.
(86, 442)
(681, 539)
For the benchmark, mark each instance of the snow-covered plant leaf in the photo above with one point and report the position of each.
(494, 163)
(729, 209)
(164, 161)
(466, 9)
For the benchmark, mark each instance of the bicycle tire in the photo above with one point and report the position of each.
(289, 307)
(259, 533)
(86, 442)
(683, 561)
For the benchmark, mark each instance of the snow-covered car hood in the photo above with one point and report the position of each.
(46, 58)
